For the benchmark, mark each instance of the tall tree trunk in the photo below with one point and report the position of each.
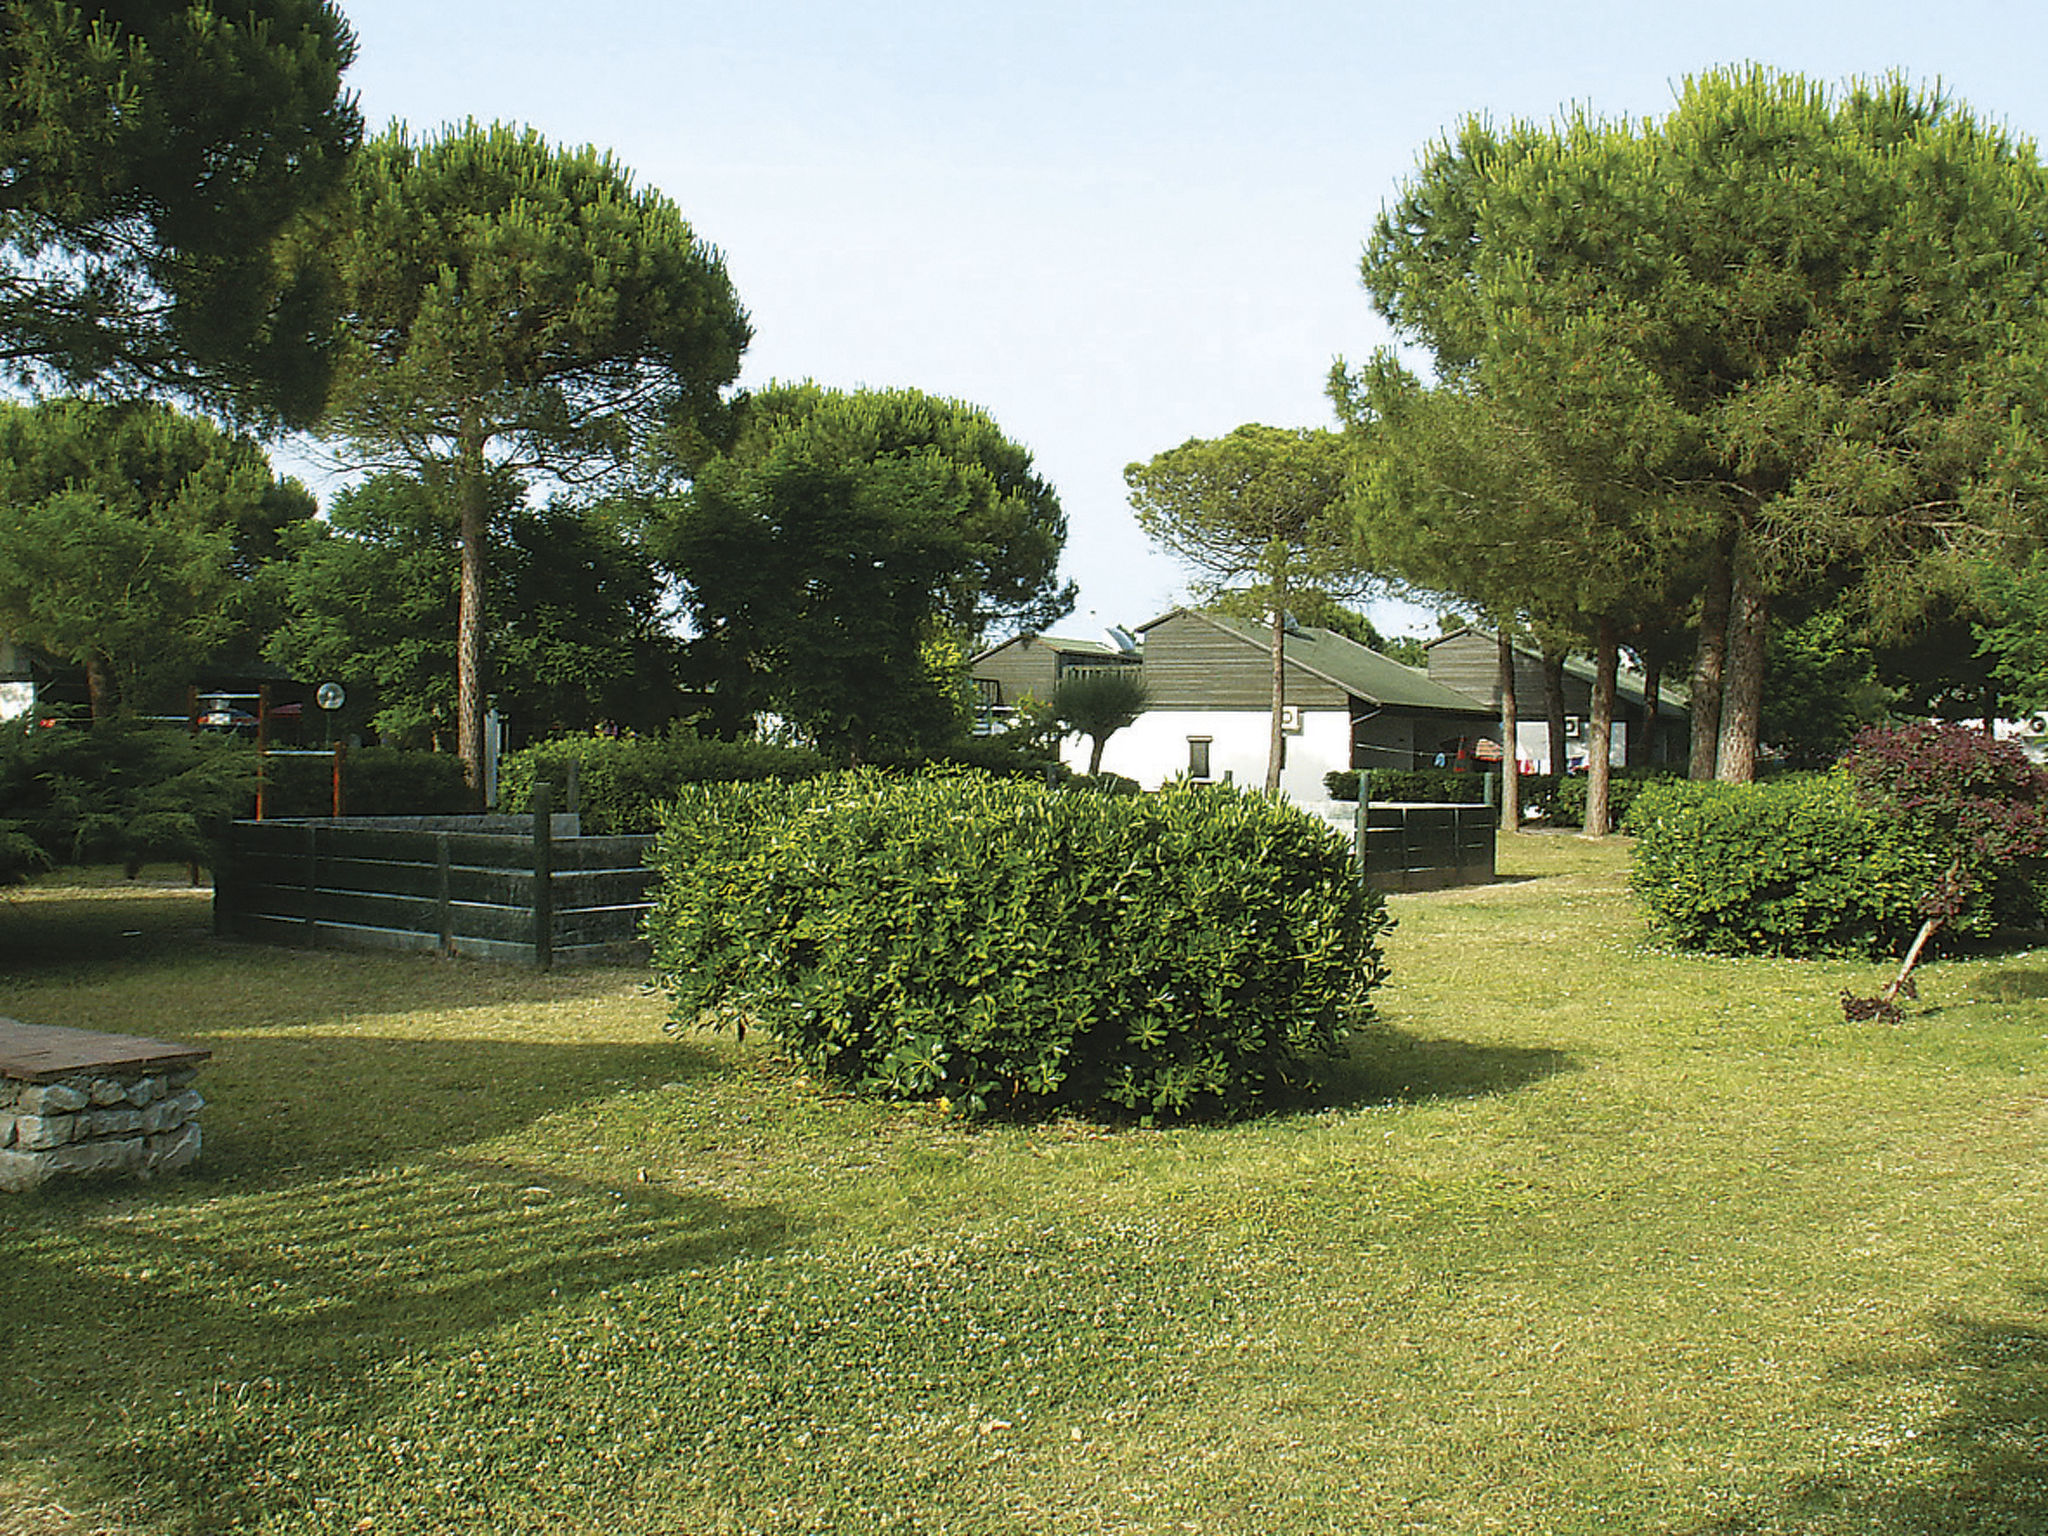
(1276, 741)
(1553, 707)
(1708, 668)
(1742, 689)
(1600, 730)
(1510, 732)
(472, 495)
(1642, 743)
(99, 687)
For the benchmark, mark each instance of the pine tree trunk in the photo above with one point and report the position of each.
(99, 687)
(1276, 744)
(472, 493)
(1742, 689)
(1708, 668)
(1643, 743)
(1600, 731)
(1510, 731)
(1553, 706)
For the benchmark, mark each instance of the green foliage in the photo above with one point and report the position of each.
(1258, 517)
(2012, 637)
(375, 781)
(1804, 865)
(150, 155)
(1560, 798)
(1018, 949)
(622, 781)
(138, 542)
(1418, 786)
(1820, 689)
(1098, 704)
(516, 308)
(118, 793)
(1795, 336)
(581, 638)
(839, 538)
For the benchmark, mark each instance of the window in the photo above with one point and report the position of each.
(1198, 757)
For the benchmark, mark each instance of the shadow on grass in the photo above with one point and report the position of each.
(288, 1107)
(1390, 1067)
(2013, 985)
(224, 1329)
(1981, 1469)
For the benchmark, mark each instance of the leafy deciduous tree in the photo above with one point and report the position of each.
(137, 541)
(838, 541)
(580, 638)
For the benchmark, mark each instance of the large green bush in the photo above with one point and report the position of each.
(118, 792)
(1803, 865)
(621, 780)
(1016, 948)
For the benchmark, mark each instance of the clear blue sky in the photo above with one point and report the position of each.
(1115, 224)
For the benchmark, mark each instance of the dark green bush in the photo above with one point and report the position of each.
(1418, 786)
(621, 780)
(1016, 948)
(117, 793)
(1561, 798)
(375, 781)
(1801, 865)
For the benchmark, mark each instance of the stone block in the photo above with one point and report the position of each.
(39, 1133)
(169, 1153)
(108, 1090)
(22, 1170)
(145, 1090)
(109, 1122)
(123, 1155)
(7, 1119)
(51, 1098)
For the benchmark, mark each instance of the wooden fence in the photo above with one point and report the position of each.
(1411, 847)
(528, 889)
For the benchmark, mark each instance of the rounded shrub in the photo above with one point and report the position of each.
(1803, 865)
(1016, 948)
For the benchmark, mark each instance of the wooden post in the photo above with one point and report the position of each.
(312, 873)
(447, 919)
(543, 876)
(339, 749)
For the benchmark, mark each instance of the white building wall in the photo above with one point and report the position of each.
(1534, 738)
(1154, 748)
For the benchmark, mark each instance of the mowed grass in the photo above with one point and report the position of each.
(1590, 1237)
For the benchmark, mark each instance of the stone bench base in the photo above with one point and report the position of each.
(76, 1102)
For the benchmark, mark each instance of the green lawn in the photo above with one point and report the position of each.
(1592, 1238)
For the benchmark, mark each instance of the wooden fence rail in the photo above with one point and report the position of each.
(525, 889)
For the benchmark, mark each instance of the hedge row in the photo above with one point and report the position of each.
(1802, 865)
(1015, 948)
(623, 780)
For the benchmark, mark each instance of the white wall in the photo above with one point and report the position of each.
(1154, 748)
(1534, 739)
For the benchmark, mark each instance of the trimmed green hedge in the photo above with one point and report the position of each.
(1561, 798)
(1801, 865)
(623, 780)
(1421, 786)
(1014, 948)
(375, 781)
